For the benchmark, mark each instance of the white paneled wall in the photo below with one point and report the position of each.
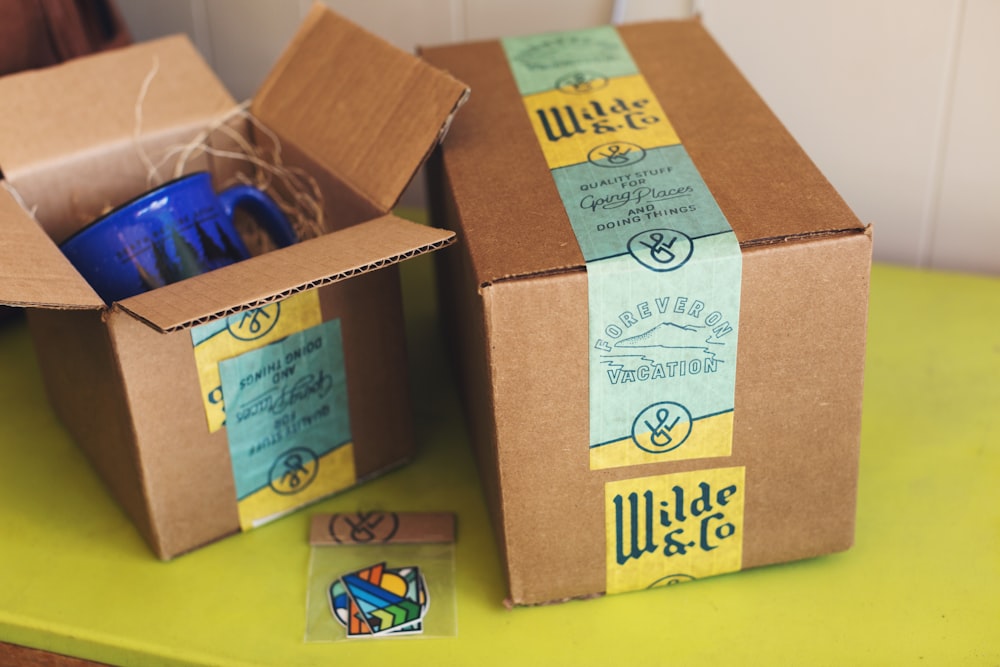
(897, 101)
(860, 93)
(966, 217)
(241, 39)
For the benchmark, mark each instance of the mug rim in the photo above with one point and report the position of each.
(129, 203)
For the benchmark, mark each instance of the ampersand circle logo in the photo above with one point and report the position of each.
(661, 249)
(661, 427)
(616, 154)
(254, 324)
(582, 82)
(363, 527)
(671, 580)
(293, 471)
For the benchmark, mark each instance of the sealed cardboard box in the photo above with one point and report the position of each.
(657, 307)
(225, 400)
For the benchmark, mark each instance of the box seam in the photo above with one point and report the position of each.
(744, 246)
(486, 298)
(145, 480)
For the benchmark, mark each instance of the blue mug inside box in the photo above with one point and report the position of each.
(178, 230)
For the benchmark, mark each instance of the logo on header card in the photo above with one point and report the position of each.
(363, 527)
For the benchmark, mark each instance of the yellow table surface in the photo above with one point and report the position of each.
(921, 585)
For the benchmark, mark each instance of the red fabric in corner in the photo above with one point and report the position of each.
(37, 33)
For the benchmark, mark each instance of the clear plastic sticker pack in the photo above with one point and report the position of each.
(381, 575)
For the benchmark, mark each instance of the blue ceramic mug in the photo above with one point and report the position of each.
(176, 231)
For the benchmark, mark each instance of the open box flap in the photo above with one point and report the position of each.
(365, 110)
(49, 114)
(280, 273)
(33, 272)
(80, 136)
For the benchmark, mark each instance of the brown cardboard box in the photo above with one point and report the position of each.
(515, 301)
(359, 115)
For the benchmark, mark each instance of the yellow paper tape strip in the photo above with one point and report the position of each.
(709, 437)
(312, 481)
(626, 111)
(667, 529)
(247, 331)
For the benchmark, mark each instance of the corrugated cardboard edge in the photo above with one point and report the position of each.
(33, 272)
(322, 261)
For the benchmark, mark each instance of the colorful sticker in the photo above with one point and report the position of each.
(252, 329)
(669, 529)
(378, 600)
(663, 265)
(287, 423)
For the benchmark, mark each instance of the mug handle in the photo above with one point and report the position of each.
(262, 208)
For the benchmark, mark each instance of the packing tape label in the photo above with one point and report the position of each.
(274, 377)
(234, 335)
(288, 423)
(663, 265)
(673, 528)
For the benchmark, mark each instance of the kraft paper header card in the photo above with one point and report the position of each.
(378, 527)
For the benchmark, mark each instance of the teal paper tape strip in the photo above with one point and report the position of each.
(664, 267)
(287, 397)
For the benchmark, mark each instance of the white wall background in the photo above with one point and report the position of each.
(897, 101)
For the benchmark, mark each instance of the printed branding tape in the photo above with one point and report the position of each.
(663, 265)
(673, 528)
(252, 329)
(275, 378)
(664, 274)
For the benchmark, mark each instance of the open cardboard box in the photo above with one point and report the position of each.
(360, 116)
(515, 300)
